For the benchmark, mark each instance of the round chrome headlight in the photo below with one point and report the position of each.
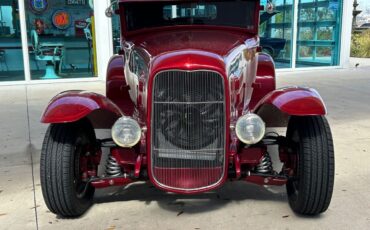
(126, 132)
(250, 129)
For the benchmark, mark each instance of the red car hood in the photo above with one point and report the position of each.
(212, 41)
(189, 49)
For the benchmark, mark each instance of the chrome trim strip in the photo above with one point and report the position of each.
(190, 103)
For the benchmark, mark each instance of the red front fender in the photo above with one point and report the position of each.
(71, 106)
(292, 101)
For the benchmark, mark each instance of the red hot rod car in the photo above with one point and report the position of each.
(188, 101)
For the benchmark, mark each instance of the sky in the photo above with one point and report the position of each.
(364, 4)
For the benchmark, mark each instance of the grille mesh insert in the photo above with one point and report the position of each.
(188, 129)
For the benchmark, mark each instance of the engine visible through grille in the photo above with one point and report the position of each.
(188, 129)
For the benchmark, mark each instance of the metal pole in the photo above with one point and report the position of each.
(26, 60)
(294, 32)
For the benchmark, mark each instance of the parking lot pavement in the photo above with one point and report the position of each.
(359, 62)
(236, 205)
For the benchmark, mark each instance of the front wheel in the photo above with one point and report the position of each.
(310, 189)
(67, 160)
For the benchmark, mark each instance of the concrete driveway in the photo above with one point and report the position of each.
(235, 206)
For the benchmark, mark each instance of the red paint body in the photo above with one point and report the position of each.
(116, 86)
(295, 101)
(265, 80)
(248, 76)
(71, 106)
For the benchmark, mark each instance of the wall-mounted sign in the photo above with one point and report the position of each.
(76, 2)
(61, 19)
(80, 25)
(38, 6)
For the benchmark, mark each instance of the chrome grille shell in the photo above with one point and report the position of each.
(191, 166)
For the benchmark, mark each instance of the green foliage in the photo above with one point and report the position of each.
(360, 44)
(279, 18)
(325, 33)
(323, 52)
(305, 34)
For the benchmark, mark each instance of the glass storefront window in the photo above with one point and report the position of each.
(61, 39)
(61, 36)
(11, 56)
(318, 33)
(116, 32)
(276, 32)
(116, 29)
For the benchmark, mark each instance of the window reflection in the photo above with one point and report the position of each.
(318, 32)
(11, 61)
(276, 32)
(116, 30)
(61, 39)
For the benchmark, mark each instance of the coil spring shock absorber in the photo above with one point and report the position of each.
(266, 164)
(112, 168)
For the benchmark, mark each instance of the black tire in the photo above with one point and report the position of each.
(310, 190)
(62, 189)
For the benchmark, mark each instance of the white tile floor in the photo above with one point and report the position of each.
(237, 205)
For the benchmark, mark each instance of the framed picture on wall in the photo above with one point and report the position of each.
(80, 25)
(76, 2)
(38, 6)
(62, 19)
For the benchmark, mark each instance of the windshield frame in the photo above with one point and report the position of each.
(126, 33)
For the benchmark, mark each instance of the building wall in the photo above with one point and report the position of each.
(315, 33)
